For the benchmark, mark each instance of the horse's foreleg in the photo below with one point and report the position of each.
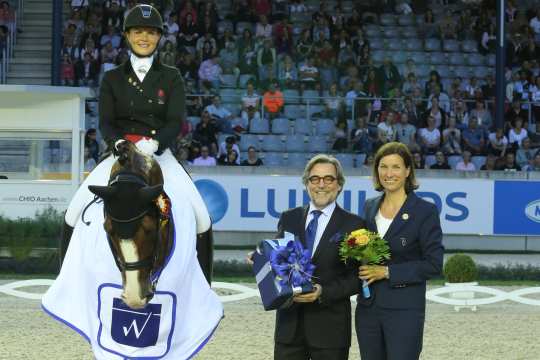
(205, 253)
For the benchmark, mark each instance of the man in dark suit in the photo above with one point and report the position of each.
(318, 324)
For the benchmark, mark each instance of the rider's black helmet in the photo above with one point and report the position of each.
(145, 16)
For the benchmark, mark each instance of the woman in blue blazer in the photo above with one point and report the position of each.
(390, 324)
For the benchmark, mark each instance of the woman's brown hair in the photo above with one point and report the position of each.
(395, 148)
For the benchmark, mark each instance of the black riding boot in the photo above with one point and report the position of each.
(205, 253)
(64, 242)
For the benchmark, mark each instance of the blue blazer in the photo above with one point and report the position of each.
(415, 240)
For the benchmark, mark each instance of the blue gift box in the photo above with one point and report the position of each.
(274, 295)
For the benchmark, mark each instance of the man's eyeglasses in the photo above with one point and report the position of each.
(328, 179)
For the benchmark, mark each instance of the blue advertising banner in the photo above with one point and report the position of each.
(517, 208)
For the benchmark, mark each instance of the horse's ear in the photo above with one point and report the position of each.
(149, 193)
(104, 192)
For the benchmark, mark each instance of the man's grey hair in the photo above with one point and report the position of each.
(324, 159)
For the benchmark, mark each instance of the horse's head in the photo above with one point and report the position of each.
(132, 221)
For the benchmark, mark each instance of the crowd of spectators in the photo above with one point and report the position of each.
(267, 48)
(7, 24)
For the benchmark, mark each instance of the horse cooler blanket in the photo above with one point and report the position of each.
(176, 324)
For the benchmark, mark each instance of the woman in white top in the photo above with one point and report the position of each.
(466, 164)
(517, 133)
(498, 143)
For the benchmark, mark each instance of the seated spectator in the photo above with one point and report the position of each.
(461, 115)
(288, 75)
(67, 70)
(437, 113)
(386, 130)
(473, 139)
(534, 23)
(525, 154)
(429, 137)
(252, 158)
(441, 163)
(309, 74)
(373, 84)
(210, 73)
(172, 25)
(168, 54)
(451, 138)
(188, 36)
(509, 163)
(304, 46)
(340, 137)
(408, 68)
(514, 112)
(418, 161)
(108, 54)
(283, 37)
(535, 98)
(412, 112)
(74, 18)
(229, 159)
(91, 144)
(466, 164)
(110, 36)
(406, 133)
(472, 88)
(488, 41)
(410, 85)
(206, 132)
(448, 26)
(71, 35)
(89, 162)
(353, 97)
(206, 47)
(297, 6)
(90, 48)
(166, 36)
(443, 101)
(263, 29)
(333, 103)
(491, 163)
(207, 26)
(229, 59)
(483, 116)
(249, 115)
(273, 101)
(389, 75)
(498, 143)
(516, 134)
(327, 58)
(535, 136)
(205, 159)
(86, 72)
(361, 139)
(188, 68)
(247, 53)
(113, 13)
(225, 148)
(221, 114)
(535, 164)
(266, 60)
(188, 10)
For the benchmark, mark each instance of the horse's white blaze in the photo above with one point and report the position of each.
(132, 288)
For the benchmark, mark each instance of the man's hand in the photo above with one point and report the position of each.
(372, 273)
(309, 297)
(148, 147)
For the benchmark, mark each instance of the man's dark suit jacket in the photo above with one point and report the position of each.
(327, 324)
(153, 108)
(415, 240)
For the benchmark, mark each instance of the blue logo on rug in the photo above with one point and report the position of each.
(215, 198)
(137, 328)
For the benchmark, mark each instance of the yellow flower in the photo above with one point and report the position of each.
(362, 240)
(359, 232)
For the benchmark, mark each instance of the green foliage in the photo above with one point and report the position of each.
(233, 268)
(375, 251)
(460, 268)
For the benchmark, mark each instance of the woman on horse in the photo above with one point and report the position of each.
(143, 101)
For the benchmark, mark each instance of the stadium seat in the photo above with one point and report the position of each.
(272, 143)
(312, 96)
(324, 126)
(346, 160)
(378, 45)
(234, 108)
(248, 140)
(303, 126)
(372, 31)
(456, 59)
(430, 160)
(259, 126)
(476, 59)
(491, 59)
(194, 120)
(414, 45)
(224, 25)
(273, 159)
(291, 96)
(478, 161)
(438, 58)
(242, 25)
(453, 160)
(229, 95)
(409, 33)
(295, 143)
(360, 159)
(315, 111)
(444, 71)
(280, 126)
(406, 20)
(482, 71)
(378, 56)
(318, 144)
(399, 57)
(422, 70)
(294, 111)
(469, 46)
(387, 19)
(228, 81)
(432, 45)
(451, 45)
(390, 32)
(419, 57)
(237, 121)
(296, 160)
(395, 44)
(244, 79)
(462, 71)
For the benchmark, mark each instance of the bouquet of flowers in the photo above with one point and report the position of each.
(365, 247)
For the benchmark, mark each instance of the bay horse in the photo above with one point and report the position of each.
(137, 222)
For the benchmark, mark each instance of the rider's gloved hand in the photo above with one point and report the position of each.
(148, 147)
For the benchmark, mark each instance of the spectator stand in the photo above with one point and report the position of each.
(8, 35)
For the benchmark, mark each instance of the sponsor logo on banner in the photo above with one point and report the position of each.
(215, 198)
(517, 208)
(137, 328)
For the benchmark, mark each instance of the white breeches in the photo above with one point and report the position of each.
(173, 173)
